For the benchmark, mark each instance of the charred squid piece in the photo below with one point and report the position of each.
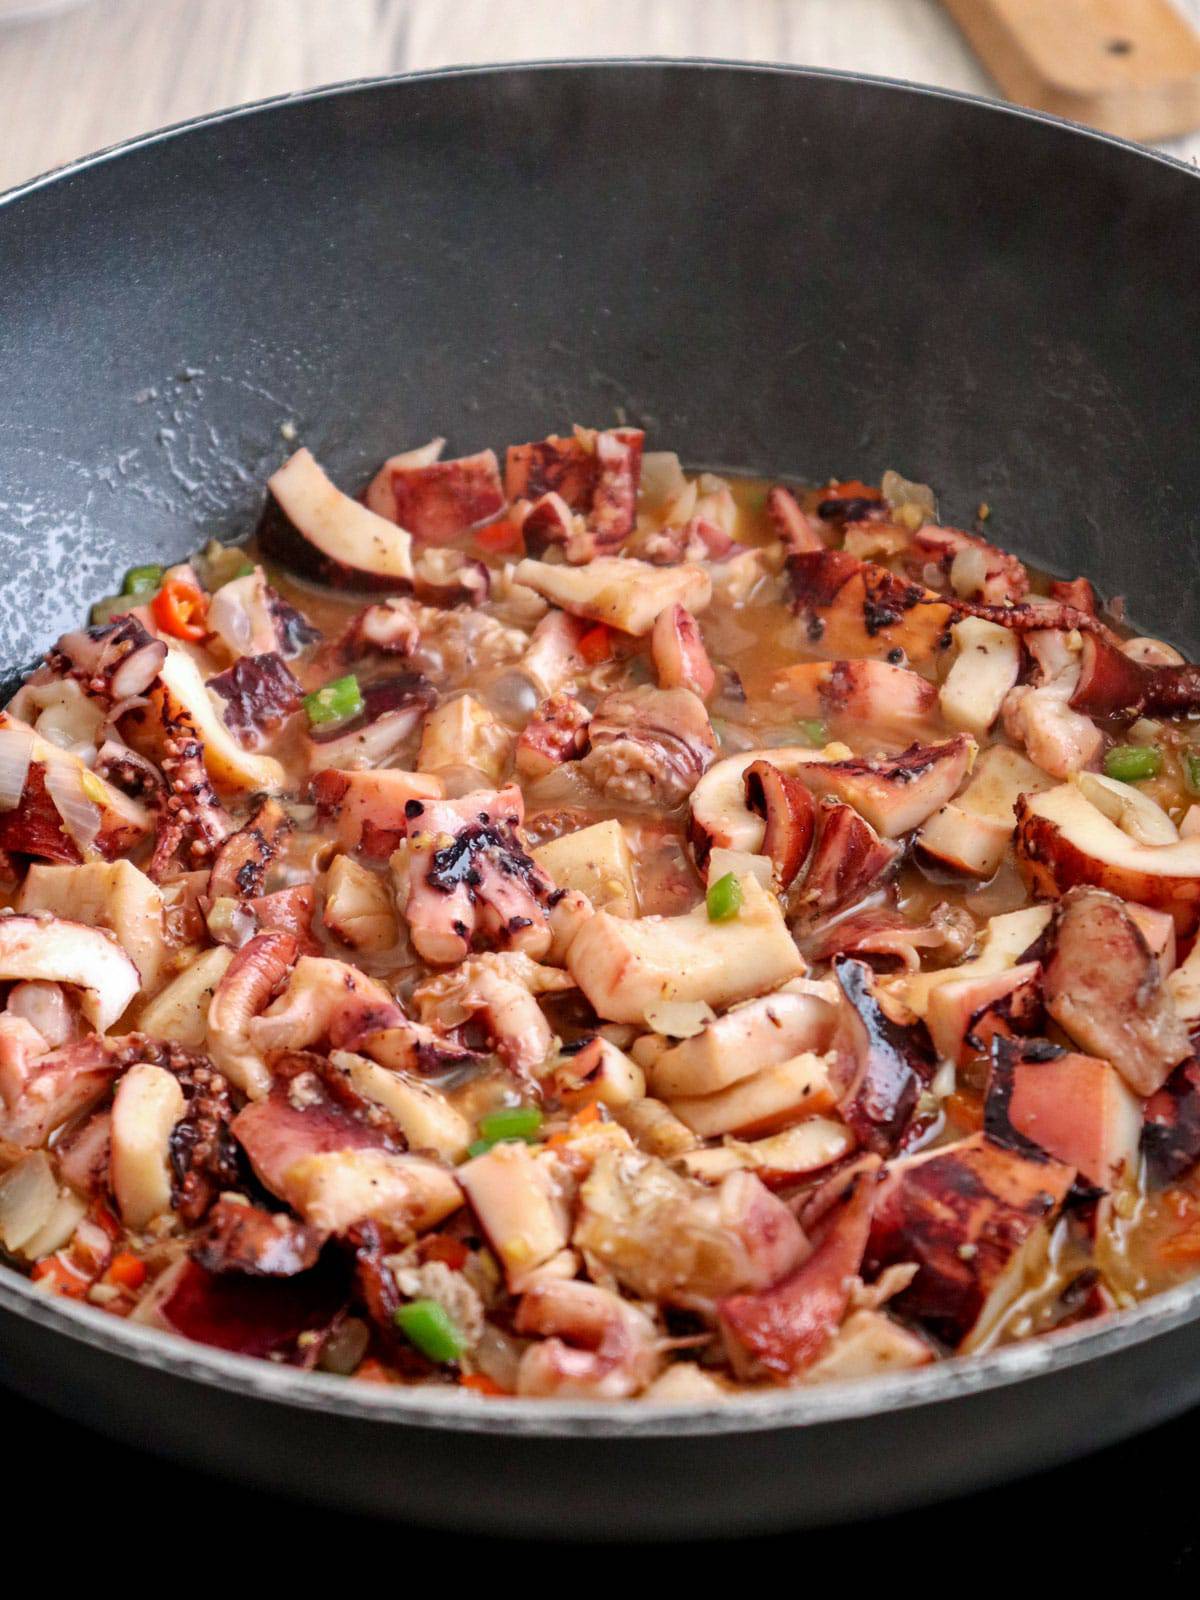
(323, 1002)
(259, 692)
(719, 817)
(788, 809)
(1110, 683)
(255, 975)
(596, 476)
(594, 1072)
(284, 911)
(780, 1331)
(627, 967)
(666, 1237)
(890, 1063)
(520, 1200)
(1033, 616)
(888, 935)
(250, 618)
(440, 643)
(885, 698)
(402, 1045)
(590, 1343)
(1063, 839)
(187, 713)
(1076, 592)
(368, 810)
(969, 836)
(1105, 989)
(191, 808)
(1172, 691)
(312, 526)
(849, 861)
(500, 991)
(966, 1015)
(564, 466)
(301, 1141)
(243, 1238)
(895, 793)
(239, 868)
(622, 593)
(1046, 1101)
(468, 882)
(680, 659)
(547, 520)
(114, 662)
(852, 501)
(50, 949)
(437, 500)
(450, 578)
(132, 774)
(799, 532)
(202, 1155)
(649, 746)
(41, 1090)
(557, 732)
(62, 809)
(975, 1217)
(986, 667)
(284, 1320)
(758, 1033)
(392, 711)
(973, 568)
(855, 609)
(1171, 1133)
(614, 498)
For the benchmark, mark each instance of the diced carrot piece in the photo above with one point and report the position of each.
(596, 645)
(126, 1271)
(481, 1383)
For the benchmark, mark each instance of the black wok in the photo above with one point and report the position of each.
(772, 270)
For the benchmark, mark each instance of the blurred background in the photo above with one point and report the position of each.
(76, 75)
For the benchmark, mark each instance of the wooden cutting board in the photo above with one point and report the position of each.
(1129, 67)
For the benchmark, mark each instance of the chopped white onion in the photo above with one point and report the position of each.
(679, 1019)
(80, 817)
(968, 571)
(28, 1196)
(16, 752)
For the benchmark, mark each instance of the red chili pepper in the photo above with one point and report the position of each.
(180, 609)
(126, 1271)
(596, 645)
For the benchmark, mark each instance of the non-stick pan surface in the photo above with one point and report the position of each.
(770, 269)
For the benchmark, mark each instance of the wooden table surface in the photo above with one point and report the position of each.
(104, 70)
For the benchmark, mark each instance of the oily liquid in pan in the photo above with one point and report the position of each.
(1149, 1240)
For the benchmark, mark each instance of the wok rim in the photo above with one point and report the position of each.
(454, 1410)
(353, 86)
